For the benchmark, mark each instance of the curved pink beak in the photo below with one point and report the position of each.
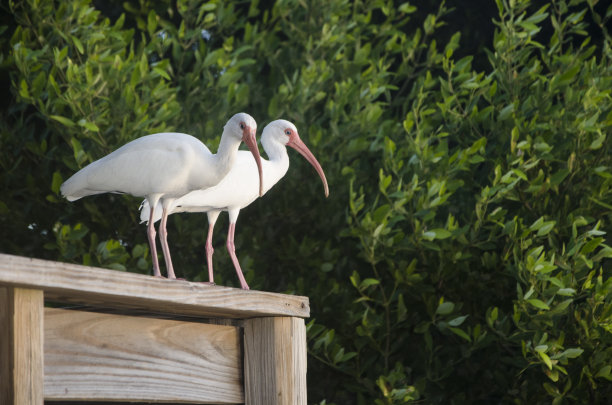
(248, 137)
(296, 143)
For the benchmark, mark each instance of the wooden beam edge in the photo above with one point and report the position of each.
(73, 283)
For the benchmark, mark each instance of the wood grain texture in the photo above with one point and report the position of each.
(73, 283)
(21, 366)
(6, 392)
(105, 357)
(275, 361)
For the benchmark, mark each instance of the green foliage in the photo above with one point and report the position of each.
(489, 222)
(463, 255)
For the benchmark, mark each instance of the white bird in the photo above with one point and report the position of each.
(163, 167)
(239, 188)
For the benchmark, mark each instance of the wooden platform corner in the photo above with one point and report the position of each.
(128, 337)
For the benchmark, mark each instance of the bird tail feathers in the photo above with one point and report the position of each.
(145, 212)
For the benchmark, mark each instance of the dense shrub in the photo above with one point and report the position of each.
(463, 254)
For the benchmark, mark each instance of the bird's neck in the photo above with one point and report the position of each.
(276, 151)
(226, 154)
(278, 162)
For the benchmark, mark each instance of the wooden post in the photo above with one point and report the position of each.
(136, 338)
(275, 361)
(21, 347)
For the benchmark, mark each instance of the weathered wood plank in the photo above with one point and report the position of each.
(275, 361)
(6, 391)
(21, 349)
(104, 357)
(73, 283)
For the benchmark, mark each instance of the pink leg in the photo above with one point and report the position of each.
(209, 253)
(232, 251)
(163, 236)
(212, 218)
(151, 236)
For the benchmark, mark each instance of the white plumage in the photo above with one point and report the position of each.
(239, 188)
(163, 167)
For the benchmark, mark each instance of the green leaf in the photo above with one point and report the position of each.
(229, 77)
(461, 333)
(438, 233)
(478, 145)
(368, 282)
(348, 356)
(458, 320)
(139, 250)
(591, 245)
(429, 23)
(56, 182)
(544, 268)
(571, 353)
(538, 303)
(520, 174)
(445, 308)
(493, 89)
(598, 141)
(151, 22)
(355, 279)
(67, 122)
(23, 89)
(88, 125)
(143, 66)
(604, 372)
(209, 6)
(566, 291)
(325, 339)
(537, 224)
(546, 228)
(529, 292)
(546, 359)
(380, 214)
(401, 308)
(116, 266)
(492, 315)
(162, 73)
(569, 75)
(558, 177)
(407, 8)
(506, 112)
(63, 120)
(78, 44)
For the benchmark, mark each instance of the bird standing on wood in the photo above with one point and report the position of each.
(163, 167)
(239, 188)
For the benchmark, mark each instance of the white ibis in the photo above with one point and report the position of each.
(163, 167)
(239, 188)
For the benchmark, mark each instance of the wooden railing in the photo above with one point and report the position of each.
(70, 332)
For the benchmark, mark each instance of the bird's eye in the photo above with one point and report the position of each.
(287, 132)
(242, 125)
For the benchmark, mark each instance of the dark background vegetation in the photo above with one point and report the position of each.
(462, 256)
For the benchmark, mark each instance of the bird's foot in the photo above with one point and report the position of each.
(207, 282)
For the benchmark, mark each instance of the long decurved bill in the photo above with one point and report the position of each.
(248, 137)
(296, 143)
